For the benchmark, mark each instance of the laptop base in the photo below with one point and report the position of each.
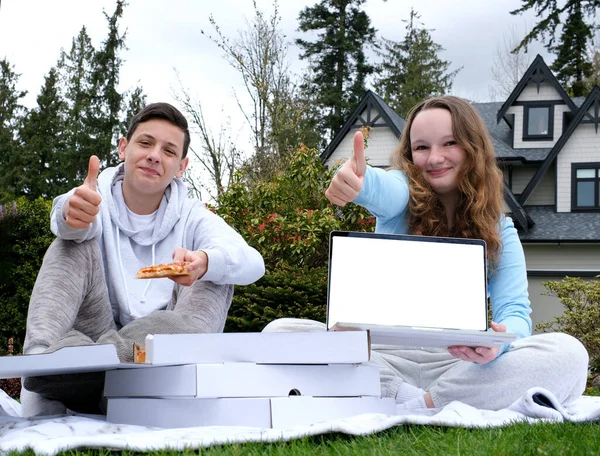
(427, 337)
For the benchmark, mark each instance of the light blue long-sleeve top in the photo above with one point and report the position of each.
(385, 195)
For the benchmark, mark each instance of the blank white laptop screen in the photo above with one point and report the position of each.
(403, 280)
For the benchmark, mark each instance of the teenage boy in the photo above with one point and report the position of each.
(134, 215)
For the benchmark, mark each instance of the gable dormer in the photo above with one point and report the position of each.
(577, 156)
(537, 109)
(385, 127)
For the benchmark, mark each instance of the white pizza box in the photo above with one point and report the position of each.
(245, 380)
(176, 349)
(323, 347)
(276, 413)
(68, 360)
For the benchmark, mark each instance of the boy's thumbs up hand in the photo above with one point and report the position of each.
(93, 170)
(348, 181)
(81, 208)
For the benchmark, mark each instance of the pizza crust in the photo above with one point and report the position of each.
(155, 271)
(139, 354)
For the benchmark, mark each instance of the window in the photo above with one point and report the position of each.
(539, 125)
(538, 121)
(585, 193)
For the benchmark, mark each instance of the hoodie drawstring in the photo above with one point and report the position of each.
(122, 271)
(143, 297)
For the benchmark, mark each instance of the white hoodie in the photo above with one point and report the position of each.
(179, 222)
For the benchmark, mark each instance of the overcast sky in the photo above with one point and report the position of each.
(164, 35)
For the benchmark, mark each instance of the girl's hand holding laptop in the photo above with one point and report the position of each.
(479, 355)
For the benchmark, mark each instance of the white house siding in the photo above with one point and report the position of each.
(545, 260)
(381, 144)
(563, 257)
(547, 93)
(345, 147)
(543, 195)
(583, 146)
(342, 152)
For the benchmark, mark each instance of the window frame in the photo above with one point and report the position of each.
(547, 137)
(574, 181)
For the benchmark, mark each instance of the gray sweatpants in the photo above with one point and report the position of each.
(69, 306)
(555, 361)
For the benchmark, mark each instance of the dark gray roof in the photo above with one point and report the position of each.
(488, 112)
(561, 226)
(502, 135)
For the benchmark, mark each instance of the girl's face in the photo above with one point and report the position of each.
(434, 150)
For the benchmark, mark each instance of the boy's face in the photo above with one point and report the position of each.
(153, 156)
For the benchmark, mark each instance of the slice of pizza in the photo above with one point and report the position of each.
(178, 268)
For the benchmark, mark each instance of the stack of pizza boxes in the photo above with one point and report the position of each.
(266, 380)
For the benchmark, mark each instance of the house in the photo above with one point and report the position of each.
(548, 147)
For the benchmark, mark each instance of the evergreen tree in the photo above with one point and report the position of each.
(571, 65)
(411, 70)
(11, 115)
(594, 78)
(338, 66)
(107, 101)
(76, 69)
(44, 138)
(134, 102)
(80, 113)
(97, 111)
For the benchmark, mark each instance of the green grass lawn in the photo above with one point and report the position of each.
(519, 439)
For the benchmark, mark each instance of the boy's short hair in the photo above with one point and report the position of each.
(161, 111)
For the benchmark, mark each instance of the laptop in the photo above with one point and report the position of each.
(416, 291)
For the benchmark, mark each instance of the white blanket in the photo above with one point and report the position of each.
(50, 435)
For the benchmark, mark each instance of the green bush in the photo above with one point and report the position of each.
(288, 220)
(581, 316)
(24, 237)
(279, 294)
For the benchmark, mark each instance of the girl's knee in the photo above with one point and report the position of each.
(574, 348)
(294, 325)
(567, 349)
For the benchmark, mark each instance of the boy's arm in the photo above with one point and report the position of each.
(230, 259)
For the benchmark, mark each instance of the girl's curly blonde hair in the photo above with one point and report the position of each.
(480, 181)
